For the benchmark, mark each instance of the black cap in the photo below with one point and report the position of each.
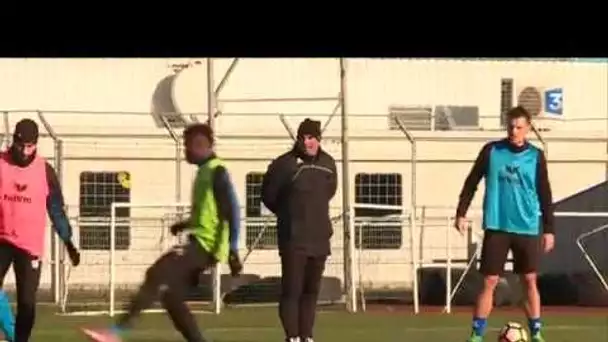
(26, 131)
(310, 127)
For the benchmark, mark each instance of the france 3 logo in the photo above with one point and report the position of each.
(554, 101)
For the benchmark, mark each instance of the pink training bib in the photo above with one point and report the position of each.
(23, 193)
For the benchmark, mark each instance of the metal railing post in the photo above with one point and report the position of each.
(56, 250)
(413, 214)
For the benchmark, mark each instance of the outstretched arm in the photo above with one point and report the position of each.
(55, 207)
(469, 188)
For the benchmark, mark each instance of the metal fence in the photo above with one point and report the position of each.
(381, 237)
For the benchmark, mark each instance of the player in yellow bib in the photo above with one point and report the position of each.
(209, 228)
(213, 229)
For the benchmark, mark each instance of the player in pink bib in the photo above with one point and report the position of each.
(29, 189)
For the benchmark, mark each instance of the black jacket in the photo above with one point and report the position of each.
(298, 188)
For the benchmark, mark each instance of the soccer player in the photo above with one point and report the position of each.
(517, 216)
(213, 237)
(297, 188)
(7, 320)
(30, 190)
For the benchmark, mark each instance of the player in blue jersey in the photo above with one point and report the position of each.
(517, 216)
(7, 319)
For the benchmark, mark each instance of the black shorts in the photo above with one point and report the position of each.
(496, 245)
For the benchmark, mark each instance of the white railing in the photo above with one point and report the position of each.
(364, 264)
(579, 242)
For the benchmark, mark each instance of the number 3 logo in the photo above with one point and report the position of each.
(554, 101)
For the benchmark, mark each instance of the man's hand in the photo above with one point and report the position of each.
(548, 242)
(73, 253)
(461, 224)
(236, 267)
(178, 227)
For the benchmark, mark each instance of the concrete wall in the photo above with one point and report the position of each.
(105, 97)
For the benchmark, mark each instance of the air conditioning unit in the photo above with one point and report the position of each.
(544, 101)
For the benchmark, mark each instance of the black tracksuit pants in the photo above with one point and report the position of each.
(300, 285)
(27, 276)
(170, 277)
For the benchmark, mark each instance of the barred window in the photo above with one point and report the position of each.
(97, 192)
(260, 224)
(373, 230)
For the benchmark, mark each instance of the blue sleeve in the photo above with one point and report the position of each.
(55, 206)
(235, 220)
(227, 204)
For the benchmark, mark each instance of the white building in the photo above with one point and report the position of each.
(102, 111)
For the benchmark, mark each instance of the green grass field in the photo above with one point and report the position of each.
(261, 325)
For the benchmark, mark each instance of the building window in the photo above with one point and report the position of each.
(374, 229)
(454, 118)
(97, 192)
(506, 99)
(414, 118)
(260, 226)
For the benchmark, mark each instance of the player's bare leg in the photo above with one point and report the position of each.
(532, 305)
(485, 300)
(483, 308)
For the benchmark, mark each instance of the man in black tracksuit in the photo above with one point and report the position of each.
(297, 188)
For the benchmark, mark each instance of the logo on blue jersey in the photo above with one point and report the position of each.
(554, 101)
(510, 174)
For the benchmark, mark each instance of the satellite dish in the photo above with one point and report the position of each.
(163, 105)
(190, 91)
(531, 99)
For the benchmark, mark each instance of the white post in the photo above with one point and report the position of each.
(351, 246)
(112, 258)
(413, 236)
(59, 286)
(448, 268)
(217, 293)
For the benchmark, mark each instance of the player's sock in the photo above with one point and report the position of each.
(479, 326)
(535, 325)
(7, 319)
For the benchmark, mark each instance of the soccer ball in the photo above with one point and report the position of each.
(513, 332)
